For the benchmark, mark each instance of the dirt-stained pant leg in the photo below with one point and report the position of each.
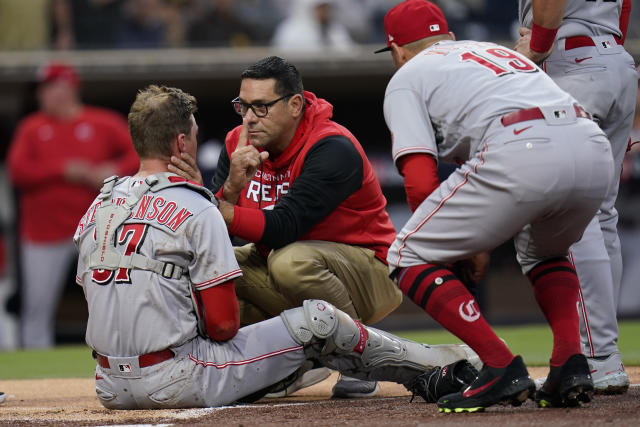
(205, 373)
(349, 277)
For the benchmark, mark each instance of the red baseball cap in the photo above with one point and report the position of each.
(413, 20)
(58, 71)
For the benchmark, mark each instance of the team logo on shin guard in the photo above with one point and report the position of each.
(468, 311)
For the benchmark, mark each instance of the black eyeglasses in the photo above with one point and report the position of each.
(259, 109)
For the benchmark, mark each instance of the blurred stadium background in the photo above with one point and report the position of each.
(201, 46)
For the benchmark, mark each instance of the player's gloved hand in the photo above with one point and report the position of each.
(186, 167)
(522, 46)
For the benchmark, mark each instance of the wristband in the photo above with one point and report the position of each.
(542, 38)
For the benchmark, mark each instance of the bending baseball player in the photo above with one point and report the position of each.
(533, 167)
(581, 44)
(157, 269)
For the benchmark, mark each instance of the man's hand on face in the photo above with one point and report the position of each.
(245, 161)
(186, 167)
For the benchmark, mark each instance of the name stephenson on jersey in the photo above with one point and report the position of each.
(152, 208)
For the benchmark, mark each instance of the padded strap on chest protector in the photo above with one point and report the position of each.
(110, 217)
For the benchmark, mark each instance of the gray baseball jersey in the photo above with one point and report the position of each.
(601, 76)
(175, 225)
(447, 112)
(536, 179)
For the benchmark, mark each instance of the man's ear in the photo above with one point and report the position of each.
(399, 55)
(453, 36)
(178, 145)
(295, 104)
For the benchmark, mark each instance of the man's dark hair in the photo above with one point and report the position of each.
(288, 80)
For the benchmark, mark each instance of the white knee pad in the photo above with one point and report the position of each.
(360, 351)
(319, 320)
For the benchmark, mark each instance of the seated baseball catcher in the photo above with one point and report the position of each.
(157, 269)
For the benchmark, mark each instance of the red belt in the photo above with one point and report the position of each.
(582, 41)
(534, 114)
(145, 360)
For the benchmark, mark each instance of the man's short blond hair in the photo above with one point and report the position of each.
(157, 116)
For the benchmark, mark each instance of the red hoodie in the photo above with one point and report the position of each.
(360, 219)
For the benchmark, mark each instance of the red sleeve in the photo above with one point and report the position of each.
(21, 164)
(220, 311)
(624, 18)
(420, 174)
(248, 224)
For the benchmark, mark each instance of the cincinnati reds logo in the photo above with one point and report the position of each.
(469, 311)
(321, 307)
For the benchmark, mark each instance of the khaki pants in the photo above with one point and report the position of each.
(349, 277)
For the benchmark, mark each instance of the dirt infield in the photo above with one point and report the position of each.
(73, 402)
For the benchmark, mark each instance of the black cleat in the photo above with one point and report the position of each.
(441, 381)
(509, 385)
(568, 385)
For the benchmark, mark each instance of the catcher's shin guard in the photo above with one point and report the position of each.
(358, 351)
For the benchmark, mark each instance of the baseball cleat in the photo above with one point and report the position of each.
(509, 385)
(441, 381)
(569, 385)
(2, 397)
(348, 387)
(609, 376)
(306, 379)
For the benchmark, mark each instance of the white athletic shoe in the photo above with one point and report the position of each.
(307, 379)
(348, 387)
(2, 397)
(609, 376)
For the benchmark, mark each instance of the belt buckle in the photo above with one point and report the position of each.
(167, 270)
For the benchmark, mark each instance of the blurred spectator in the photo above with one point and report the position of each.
(143, 25)
(87, 24)
(24, 24)
(57, 161)
(312, 27)
(221, 23)
(629, 208)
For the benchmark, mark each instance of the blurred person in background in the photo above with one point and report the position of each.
(221, 23)
(57, 161)
(143, 25)
(311, 27)
(87, 24)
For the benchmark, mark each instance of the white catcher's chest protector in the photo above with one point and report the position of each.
(109, 217)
